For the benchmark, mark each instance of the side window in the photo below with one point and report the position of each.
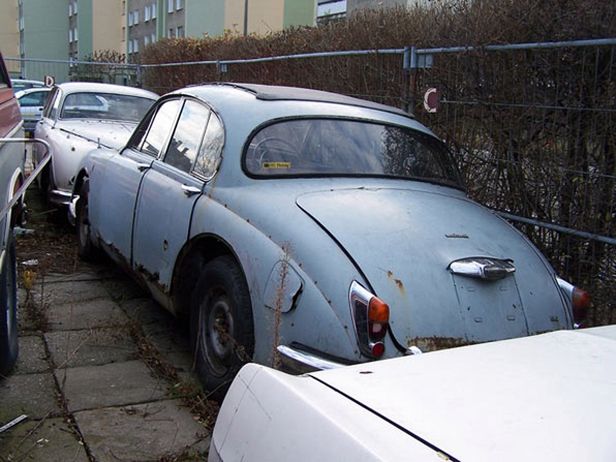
(184, 145)
(34, 99)
(160, 127)
(211, 149)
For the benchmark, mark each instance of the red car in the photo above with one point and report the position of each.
(11, 178)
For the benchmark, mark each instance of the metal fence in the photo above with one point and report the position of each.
(532, 126)
(73, 70)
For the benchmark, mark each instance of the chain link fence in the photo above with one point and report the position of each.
(532, 126)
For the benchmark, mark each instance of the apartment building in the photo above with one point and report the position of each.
(330, 10)
(147, 21)
(94, 25)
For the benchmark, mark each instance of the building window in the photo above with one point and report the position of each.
(169, 6)
(171, 33)
(76, 34)
(136, 46)
(154, 11)
(70, 36)
(130, 46)
(70, 9)
(75, 7)
(146, 40)
(136, 17)
(178, 4)
(146, 13)
(180, 31)
(130, 18)
(153, 38)
(123, 33)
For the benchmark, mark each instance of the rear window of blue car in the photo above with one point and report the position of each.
(334, 147)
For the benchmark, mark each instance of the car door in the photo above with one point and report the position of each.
(167, 197)
(117, 184)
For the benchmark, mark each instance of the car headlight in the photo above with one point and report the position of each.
(371, 318)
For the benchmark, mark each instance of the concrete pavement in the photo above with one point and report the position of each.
(104, 374)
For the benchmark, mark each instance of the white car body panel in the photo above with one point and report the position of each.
(550, 397)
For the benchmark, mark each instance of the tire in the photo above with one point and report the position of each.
(221, 304)
(87, 251)
(9, 342)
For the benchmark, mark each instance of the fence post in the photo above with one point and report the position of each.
(139, 75)
(409, 64)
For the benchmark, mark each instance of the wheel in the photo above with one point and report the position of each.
(221, 326)
(8, 309)
(86, 249)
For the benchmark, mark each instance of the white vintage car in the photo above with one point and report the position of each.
(550, 397)
(79, 117)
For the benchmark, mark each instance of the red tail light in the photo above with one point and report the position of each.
(378, 319)
(371, 317)
(580, 299)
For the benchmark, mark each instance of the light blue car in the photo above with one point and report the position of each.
(309, 230)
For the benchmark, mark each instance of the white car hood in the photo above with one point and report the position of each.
(109, 134)
(548, 397)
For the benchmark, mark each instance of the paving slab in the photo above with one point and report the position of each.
(30, 394)
(143, 432)
(122, 287)
(90, 347)
(168, 336)
(32, 356)
(86, 315)
(145, 311)
(53, 293)
(116, 384)
(41, 441)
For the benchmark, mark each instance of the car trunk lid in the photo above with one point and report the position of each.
(405, 240)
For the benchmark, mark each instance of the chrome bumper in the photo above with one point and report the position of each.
(299, 361)
(60, 197)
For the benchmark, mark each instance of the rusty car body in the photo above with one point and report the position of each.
(308, 228)
(81, 116)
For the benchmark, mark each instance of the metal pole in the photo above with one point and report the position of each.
(245, 18)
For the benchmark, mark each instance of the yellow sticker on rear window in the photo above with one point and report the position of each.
(276, 164)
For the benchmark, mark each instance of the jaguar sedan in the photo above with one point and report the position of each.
(79, 117)
(309, 230)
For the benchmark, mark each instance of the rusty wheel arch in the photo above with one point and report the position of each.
(194, 255)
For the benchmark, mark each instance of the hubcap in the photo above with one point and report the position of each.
(217, 341)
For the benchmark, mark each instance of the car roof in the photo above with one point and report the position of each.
(78, 87)
(29, 82)
(284, 93)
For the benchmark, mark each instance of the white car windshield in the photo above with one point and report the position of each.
(333, 147)
(104, 106)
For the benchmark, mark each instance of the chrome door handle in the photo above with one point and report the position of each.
(142, 167)
(190, 190)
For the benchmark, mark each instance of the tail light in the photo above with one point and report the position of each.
(580, 301)
(371, 318)
(578, 298)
